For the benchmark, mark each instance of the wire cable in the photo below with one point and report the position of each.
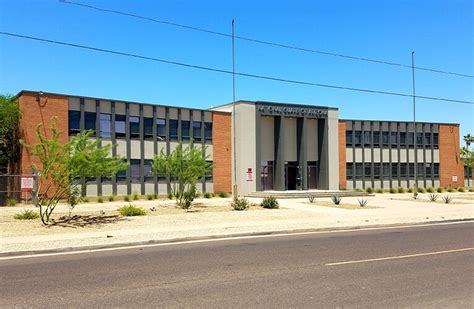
(271, 78)
(262, 41)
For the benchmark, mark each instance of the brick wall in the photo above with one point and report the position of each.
(450, 163)
(33, 114)
(222, 151)
(342, 154)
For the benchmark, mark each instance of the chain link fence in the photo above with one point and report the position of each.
(19, 188)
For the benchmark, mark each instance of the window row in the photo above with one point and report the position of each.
(384, 139)
(382, 170)
(105, 127)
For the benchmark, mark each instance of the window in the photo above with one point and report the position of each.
(135, 170)
(122, 175)
(435, 140)
(349, 171)
(90, 119)
(185, 129)
(367, 138)
(377, 139)
(411, 141)
(148, 128)
(119, 126)
(420, 170)
(134, 126)
(105, 125)
(74, 118)
(411, 170)
(161, 128)
(147, 171)
(436, 170)
(197, 131)
(419, 138)
(367, 171)
(385, 138)
(208, 131)
(357, 138)
(376, 170)
(394, 170)
(208, 175)
(358, 171)
(403, 170)
(173, 129)
(428, 169)
(393, 138)
(349, 139)
(386, 170)
(428, 139)
(403, 138)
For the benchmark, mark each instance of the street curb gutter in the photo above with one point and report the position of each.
(215, 237)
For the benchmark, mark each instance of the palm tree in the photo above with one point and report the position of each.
(468, 139)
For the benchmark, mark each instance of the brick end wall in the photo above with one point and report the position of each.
(450, 163)
(342, 154)
(33, 114)
(222, 151)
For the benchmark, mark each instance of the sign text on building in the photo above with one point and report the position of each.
(292, 111)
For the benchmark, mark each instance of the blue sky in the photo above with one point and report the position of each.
(440, 32)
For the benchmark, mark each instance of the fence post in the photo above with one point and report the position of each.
(34, 198)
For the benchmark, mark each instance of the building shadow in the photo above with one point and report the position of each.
(78, 221)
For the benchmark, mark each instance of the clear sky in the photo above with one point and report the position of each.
(440, 32)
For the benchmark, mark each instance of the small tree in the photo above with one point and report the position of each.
(467, 157)
(183, 169)
(9, 132)
(63, 165)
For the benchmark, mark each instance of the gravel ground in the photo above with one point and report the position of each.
(215, 217)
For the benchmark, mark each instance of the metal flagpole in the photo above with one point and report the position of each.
(415, 187)
(234, 191)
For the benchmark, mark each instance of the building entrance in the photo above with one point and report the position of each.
(312, 175)
(292, 178)
(266, 175)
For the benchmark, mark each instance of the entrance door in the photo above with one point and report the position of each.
(312, 175)
(291, 173)
(266, 175)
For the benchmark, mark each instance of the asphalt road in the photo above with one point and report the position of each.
(272, 272)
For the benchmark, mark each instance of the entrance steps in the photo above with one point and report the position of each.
(305, 194)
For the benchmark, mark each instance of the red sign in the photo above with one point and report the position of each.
(26, 183)
(249, 174)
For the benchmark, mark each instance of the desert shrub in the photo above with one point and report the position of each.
(100, 200)
(447, 199)
(170, 196)
(188, 197)
(111, 198)
(131, 211)
(369, 190)
(450, 189)
(27, 215)
(199, 194)
(155, 196)
(135, 196)
(410, 190)
(85, 200)
(439, 190)
(223, 194)
(430, 190)
(208, 195)
(240, 204)
(270, 203)
(401, 190)
(433, 197)
(362, 202)
(421, 190)
(336, 199)
(461, 189)
(358, 190)
(149, 197)
(10, 202)
(379, 190)
(127, 198)
(392, 190)
(311, 198)
(471, 189)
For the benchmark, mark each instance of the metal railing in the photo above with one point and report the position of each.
(18, 187)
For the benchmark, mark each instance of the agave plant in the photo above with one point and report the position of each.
(447, 199)
(433, 197)
(363, 202)
(336, 199)
(311, 198)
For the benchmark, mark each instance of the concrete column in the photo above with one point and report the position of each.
(323, 168)
(301, 131)
(279, 144)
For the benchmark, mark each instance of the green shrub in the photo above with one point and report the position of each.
(135, 196)
(471, 189)
(27, 215)
(100, 200)
(311, 198)
(401, 190)
(358, 190)
(111, 198)
(170, 196)
(85, 200)
(392, 190)
(188, 197)
(127, 198)
(198, 194)
(430, 190)
(208, 195)
(131, 211)
(450, 189)
(461, 189)
(363, 202)
(421, 190)
(447, 199)
(439, 190)
(379, 190)
(149, 197)
(336, 199)
(223, 194)
(10, 202)
(270, 203)
(369, 190)
(240, 204)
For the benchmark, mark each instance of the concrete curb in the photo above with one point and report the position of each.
(211, 237)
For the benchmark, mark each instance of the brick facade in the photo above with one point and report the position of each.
(222, 151)
(342, 154)
(450, 163)
(34, 113)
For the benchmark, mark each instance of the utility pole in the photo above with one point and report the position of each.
(234, 189)
(415, 187)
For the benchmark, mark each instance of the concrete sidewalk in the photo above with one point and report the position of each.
(293, 215)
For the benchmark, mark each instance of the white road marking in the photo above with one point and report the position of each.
(229, 238)
(399, 257)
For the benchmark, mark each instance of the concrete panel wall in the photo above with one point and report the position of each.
(311, 145)
(333, 149)
(290, 140)
(267, 151)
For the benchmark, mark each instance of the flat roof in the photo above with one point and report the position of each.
(277, 103)
(401, 121)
